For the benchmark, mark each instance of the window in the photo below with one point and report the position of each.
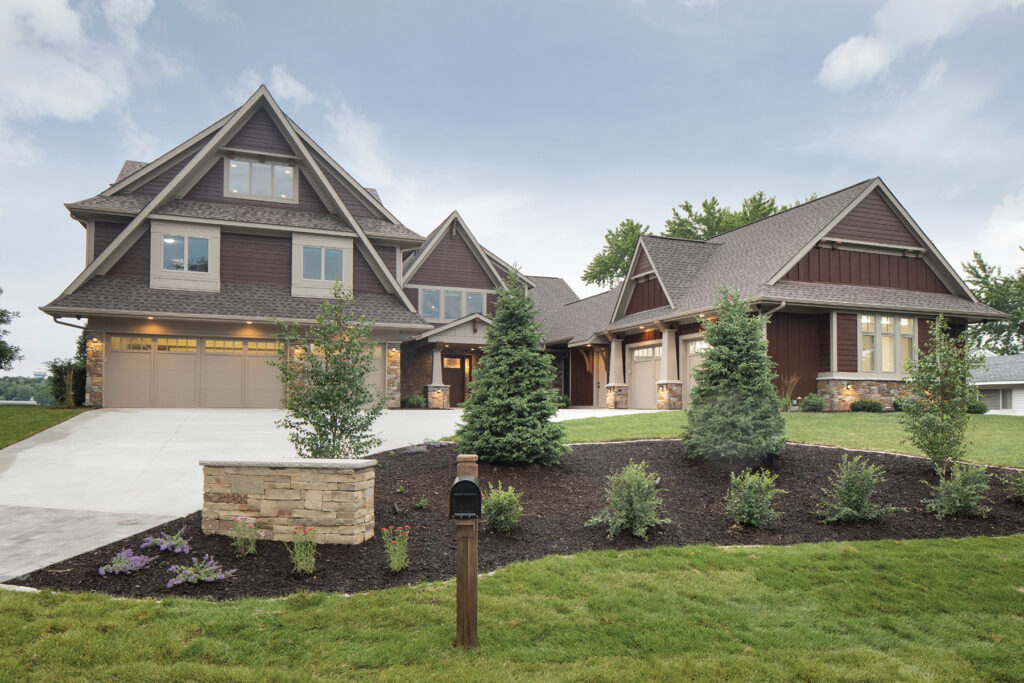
(647, 353)
(247, 178)
(886, 342)
(450, 304)
(430, 303)
(131, 343)
(176, 345)
(233, 346)
(321, 263)
(474, 302)
(264, 348)
(186, 253)
(997, 399)
(698, 347)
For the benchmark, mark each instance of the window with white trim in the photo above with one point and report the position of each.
(184, 256)
(261, 180)
(450, 304)
(181, 254)
(885, 342)
(321, 263)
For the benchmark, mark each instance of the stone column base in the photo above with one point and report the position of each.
(393, 380)
(437, 396)
(93, 370)
(617, 396)
(840, 393)
(670, 395)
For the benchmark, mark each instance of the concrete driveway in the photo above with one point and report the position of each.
(110, 473)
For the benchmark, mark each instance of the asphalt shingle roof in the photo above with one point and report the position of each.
(1008, 369)
(117, 294)
(129, 167)
(577, 321)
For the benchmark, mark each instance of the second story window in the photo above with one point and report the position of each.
(191, 254)
(450, 304)
(320, 263)
(261, 180)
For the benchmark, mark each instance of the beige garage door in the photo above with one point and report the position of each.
(262, 388)
(643, 370)
(693, 352)
(375, 380)
(174, 372)
(128, 379)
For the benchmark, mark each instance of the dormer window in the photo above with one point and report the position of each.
(182, 253)
(265, 180)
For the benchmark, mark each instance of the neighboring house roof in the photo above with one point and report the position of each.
(129, 167)
(1001, 370)
(104, 294)
(574, 322)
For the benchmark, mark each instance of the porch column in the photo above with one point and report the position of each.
(435, 368)
(670, 389)
(616, 391)
(615, 362)
(438, 392)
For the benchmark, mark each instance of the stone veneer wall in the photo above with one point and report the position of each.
(416, 369)
(616, 396)
(838, 397)
(438, 396)
(670, 395)
(393, 374)
(335, 497)
(93, 370)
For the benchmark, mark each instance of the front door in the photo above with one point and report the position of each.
(455, 373)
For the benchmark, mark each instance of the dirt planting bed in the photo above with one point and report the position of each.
(557, 502)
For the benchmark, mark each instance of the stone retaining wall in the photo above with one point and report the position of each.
(840, 393)
(335, 497)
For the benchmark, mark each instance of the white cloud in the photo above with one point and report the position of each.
(357, 145)
(899, 27)
(283, 86)
(1003, 236)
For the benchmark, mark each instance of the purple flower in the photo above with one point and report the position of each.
(125, 562)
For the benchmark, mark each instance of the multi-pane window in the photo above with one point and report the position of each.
(886, 342)
(261, 179)
(647, 353)
(230, 346)
(450, 304)
(130, 343)
(320, 263)
(264, 348)
(182, 253)
(181, 345)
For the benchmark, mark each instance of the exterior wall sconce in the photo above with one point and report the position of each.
(849, 387)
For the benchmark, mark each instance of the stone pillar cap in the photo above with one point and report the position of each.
(470, 457)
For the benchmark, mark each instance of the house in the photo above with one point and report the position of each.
(850, 280)
(1001, 384)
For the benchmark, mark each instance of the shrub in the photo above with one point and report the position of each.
(302, 550)
(125, 562)
(205, 570)
(866, 406)
(977, 407)
(501, 507)
(734, 411)
(415, 401)
(961, 494)
(176, 542)
(422, 503)
(633, 502)
(750, 496)
(396, 545)
(848, 498)
(812, 403)
(787, 385)
(60, 370)
(243, 536)
(564, 401)
(1016, 483)
(900, 403)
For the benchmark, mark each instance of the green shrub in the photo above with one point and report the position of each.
(633, 502)
(1016, 483)
(59, 369)
(564, 401)
(750, 497)
(501, 507)
(848, 497)
(866, 406)
(812, 403)
(977, 407)
(901, 403)
(960, 494)
(415, 401)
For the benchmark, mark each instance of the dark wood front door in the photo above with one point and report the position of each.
(581, 380)
(455, 373)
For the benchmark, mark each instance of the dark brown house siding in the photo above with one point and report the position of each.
(255, 259)
(843, 266)
(261, 135)
(846, 342)
(158, 182)
(354, 206)
(642, 263)
(388, 256)
(793, 343)
(647, 294)
(104, 233)
(824, 342)
(689, 328)
(492, 304)
(452, 264)
(873, 221)
(363, 278)
(210, 188)
(135, 262)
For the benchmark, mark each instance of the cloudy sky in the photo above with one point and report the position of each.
(544, 123)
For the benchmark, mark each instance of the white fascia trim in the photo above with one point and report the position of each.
(617, 309)
(1009, 384)
(510, 268)
(456, 323)
(59, 312)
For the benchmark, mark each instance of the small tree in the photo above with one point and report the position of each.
(8, 353)
(330, 408)
(941, 392)
(507, 417)
(734, 410)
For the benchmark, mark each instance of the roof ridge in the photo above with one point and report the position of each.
(688, 239)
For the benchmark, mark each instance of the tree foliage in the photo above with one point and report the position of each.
(8, 352)
(507, 417)
(1004, 293)
(330, 407)
(939, 386)
(611, 263)
(734, 410)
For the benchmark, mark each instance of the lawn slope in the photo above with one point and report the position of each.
(21, 422)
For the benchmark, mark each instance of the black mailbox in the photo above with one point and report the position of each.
(465, 497)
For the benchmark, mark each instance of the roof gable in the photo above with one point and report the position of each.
(652, 293)
(873, 221)
(261, 134)
(452, 256)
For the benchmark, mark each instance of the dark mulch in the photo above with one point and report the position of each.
(557, 502)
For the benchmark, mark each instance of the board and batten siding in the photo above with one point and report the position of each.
(255, 259)
(846, 342)
(647, 294)
(260, 134)
(848, 267)
(452, 264)
(873, 220)
(210, 188)
(794, 344)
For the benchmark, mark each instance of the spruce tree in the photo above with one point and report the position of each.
(507, 417)
(734, 413)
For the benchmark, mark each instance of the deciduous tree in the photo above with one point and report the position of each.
(1004, 293)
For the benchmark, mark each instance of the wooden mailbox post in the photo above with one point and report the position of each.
(464, 507)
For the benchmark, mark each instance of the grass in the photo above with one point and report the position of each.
(21, 422)
(994, 439)
(837, 611)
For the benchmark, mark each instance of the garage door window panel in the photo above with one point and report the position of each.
(175, 345)
(131, 344)
(223, 346)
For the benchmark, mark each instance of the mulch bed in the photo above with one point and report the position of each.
(557, 502)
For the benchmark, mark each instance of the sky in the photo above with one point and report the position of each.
(544, 123)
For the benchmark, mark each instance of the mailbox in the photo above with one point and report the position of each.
(465, 497)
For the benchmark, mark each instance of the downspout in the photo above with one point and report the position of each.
(57, 320)
(776, 309)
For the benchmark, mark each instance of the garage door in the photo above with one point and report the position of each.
(128, 379)
(644, 363)
(174, 372)
(693, 352)
(262, 381)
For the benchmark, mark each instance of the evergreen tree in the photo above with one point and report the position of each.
(507, 417)
(734, 409)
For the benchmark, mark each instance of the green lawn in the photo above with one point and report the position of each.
(846, 611)
(21, 422)
(994, 439)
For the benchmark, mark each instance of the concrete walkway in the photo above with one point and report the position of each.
(110, 473)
